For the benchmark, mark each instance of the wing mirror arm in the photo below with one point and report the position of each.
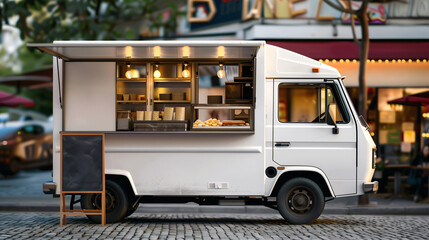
(332, 118)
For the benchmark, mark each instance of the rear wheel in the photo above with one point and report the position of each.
(300, 201)
(12, 169)
(116, 203)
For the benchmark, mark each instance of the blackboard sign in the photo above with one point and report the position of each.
(82, 162)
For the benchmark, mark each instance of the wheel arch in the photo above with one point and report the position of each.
(123, 178)
(314, 174)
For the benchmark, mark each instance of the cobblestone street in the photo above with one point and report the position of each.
(213, 226)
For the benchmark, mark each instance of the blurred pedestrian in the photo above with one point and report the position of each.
(422, 160)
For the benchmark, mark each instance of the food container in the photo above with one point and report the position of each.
(168, 113)
(126, 97)
(148, 115)
(133, 97)
(178, 96)
(119, 97)
(180, 114)
(124, 121)
(141, 97)
(165, 96)
(140, 115)
(214, 99)
(155, 115)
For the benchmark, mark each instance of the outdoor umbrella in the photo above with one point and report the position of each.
(10, 100)
(418, 100)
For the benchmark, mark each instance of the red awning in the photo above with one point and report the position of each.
(419, 99)
(10, 100)
(349, 49)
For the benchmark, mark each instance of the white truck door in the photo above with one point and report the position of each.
(302, 137)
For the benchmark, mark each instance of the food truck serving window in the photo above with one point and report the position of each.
(180, 96)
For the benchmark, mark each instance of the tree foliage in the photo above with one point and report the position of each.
(48, 20)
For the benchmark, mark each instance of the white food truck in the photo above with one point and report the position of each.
(211, 122)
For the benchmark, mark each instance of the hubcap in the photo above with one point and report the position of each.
(300, 200)
(111, 201)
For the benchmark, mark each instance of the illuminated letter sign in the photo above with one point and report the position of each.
(200, 14)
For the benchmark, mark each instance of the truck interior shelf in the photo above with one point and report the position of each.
(209, 96)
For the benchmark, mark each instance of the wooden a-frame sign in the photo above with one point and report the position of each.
(82, 171)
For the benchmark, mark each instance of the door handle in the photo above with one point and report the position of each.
(282, 144)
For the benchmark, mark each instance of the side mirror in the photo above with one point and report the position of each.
(332, 117)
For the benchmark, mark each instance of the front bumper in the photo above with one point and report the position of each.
(370, 187)
(49, 188)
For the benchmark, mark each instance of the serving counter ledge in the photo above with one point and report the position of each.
(172, 132)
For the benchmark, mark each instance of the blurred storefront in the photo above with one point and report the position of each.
(398, 57)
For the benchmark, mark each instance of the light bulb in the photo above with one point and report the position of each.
(186, 73)
(129, 74)
(133, 73)
(157, 73)
(221, 72)
(136, 73)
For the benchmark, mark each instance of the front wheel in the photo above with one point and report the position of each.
(116, 203)
(300, 201)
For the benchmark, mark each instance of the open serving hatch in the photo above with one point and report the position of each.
(143, 50)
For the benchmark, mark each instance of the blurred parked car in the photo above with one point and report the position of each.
(25, 145)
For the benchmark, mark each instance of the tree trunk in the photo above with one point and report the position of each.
(364, 49)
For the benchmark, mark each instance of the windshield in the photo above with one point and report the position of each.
(7, 132)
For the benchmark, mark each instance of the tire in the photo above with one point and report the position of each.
(132, 209)
(117, 203)
(12, 169)
(300, 201)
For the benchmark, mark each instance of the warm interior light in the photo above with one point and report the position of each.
(128, 52)
(156, 51)
(221, 72)
(128, 73)
(185, 72)
(185, 52)
(157, 73)
(221, 51)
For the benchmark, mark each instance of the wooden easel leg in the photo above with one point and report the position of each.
(61, 210)
(103, 208)
(63, 206)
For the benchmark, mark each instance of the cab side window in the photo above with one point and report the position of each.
(32, 130)
(307, 103)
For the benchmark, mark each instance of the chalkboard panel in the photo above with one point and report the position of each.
(82, 162)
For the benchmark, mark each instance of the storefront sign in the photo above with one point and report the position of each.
(410, 136)
(203, 13)
(394, 137)
(387, 117)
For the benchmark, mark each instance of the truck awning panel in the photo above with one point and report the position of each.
(140, 50)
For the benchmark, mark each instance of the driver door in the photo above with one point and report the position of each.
(302, 136)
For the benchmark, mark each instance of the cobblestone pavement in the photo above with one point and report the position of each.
(213, 226)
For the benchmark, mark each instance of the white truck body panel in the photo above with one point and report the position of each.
(181, 164)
